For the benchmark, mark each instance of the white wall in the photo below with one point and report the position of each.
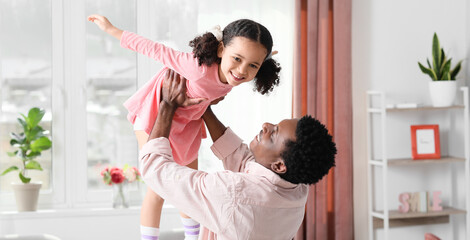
(389, 37)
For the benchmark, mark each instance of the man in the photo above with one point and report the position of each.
(262, 194)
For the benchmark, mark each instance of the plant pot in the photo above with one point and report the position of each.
(26, 195)
(442, 93)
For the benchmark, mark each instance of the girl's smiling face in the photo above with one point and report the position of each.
(240, 60)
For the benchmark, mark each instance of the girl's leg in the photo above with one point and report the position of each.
(152, 204)
(150, 214)
(142, 137)
(191, 227)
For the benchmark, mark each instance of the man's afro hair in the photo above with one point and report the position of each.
(311, 155)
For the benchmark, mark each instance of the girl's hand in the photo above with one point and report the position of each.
(104, 24)
(101, 21)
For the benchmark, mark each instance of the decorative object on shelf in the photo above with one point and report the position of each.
(443, 87)
(425, 142)
(430, 236)
(420, 202)
(120, 179)
(30, 143)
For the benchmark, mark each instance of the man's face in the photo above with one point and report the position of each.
(270, 142)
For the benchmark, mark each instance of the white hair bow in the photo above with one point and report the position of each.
(217, 32)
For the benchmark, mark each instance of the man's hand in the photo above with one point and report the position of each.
(174, 91)
(104, 24)
(217, 100)
(173, 96)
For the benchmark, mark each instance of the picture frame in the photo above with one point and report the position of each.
(425, 142)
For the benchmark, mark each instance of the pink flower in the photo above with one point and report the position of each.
(116, 175)
(131, 174)
(104, 171)
(136, 171)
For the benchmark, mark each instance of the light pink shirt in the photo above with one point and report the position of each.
(247, 201)
(203, 82)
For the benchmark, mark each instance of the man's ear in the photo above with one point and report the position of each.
(220, 49)
(279, 167)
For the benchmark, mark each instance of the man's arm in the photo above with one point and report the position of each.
(180, 185)
(216, 128)
(173, 96)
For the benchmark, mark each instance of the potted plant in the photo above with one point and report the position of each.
(28, 144)
(443, 86)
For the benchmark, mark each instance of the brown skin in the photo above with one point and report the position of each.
(173, 96)
(272, 138)
(268, 145)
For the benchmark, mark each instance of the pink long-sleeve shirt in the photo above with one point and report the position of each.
(246, 201)
(203, 82)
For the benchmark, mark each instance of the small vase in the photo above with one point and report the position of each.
(120, 196)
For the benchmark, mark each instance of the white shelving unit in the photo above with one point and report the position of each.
(387, 218)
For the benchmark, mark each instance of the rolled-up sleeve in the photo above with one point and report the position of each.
(207, 198)
(232, 151)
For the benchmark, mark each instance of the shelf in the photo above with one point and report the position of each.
(398, 219)
(421, 108)
(424, 108)
(378, 111)
(409, 161)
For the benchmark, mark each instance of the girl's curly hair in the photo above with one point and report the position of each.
(205, 50)
(311, 155)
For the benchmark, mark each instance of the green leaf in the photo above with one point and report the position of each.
(20, 154)
(32, 155)
(427, 71)
(445, 70)
(443, 56)
(447, 76)
(14, 142)
(33, 165)
(429, 64)
(107, 178)
(12, 154)
(436, 54)
(24, 179)
(455, 71)
(12, 168)
(34, 116)
(40, 144)
(34, 133)
(19, 137)
(23, 123)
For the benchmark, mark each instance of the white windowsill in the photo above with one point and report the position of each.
(76, 212)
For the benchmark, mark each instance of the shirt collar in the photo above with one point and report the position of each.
(255, 168)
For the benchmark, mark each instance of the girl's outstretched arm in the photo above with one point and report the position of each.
(104, 24)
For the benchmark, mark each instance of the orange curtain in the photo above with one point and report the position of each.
(322, 88)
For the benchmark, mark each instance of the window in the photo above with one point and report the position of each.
(111, 78)
(81, 76)
(25, 79)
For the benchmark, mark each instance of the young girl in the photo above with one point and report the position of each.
(219, 61)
